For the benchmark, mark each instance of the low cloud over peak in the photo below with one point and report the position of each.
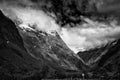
(90, 34)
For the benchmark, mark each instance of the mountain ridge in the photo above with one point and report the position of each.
(29, 54)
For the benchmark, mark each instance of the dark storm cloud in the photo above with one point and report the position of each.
(21, 3)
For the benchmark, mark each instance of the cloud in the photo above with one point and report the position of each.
(79, 38)
(21, 3)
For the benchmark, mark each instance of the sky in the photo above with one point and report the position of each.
(81, 37)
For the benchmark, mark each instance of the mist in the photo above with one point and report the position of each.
(78, 38)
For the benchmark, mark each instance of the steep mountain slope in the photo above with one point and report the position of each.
(34, 55)
(31, 54)
(103, 61)
(14, 59)
(27, 53)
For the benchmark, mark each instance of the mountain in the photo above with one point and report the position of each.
(103, 61)
(32, 54)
